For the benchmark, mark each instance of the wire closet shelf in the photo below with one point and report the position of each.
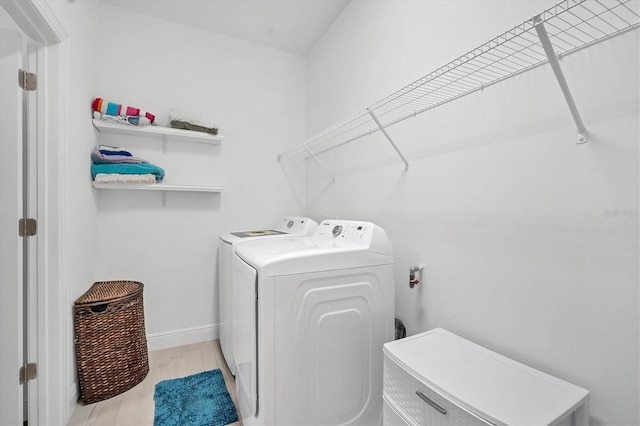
(568, 26)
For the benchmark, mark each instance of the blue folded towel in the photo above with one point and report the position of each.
(110, 152)
(98, 158)
(128, 169)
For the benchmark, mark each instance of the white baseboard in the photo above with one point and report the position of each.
(185, 336)
(163, 340)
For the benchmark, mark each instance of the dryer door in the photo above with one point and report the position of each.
(245, 335)
(329, 331)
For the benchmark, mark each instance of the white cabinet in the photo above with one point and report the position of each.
(166, 134)
(438, 378)
(406, 396)
(391, 416)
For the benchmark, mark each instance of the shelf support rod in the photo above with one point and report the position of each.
(164, 144)
(333, 179)
(164, 198)
(406, 163)
(555, 65)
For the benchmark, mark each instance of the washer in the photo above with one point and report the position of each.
(287, 226)
(310, 317)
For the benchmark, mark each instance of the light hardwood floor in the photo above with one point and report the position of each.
(136, 406)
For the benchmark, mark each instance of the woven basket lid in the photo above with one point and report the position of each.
(104, 291)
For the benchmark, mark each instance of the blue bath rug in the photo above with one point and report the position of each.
(197, 400)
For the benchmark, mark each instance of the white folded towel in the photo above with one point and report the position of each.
(122, 178)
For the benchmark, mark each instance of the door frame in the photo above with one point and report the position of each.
(12, 279)
(54, 347)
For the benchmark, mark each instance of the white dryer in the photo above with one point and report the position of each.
(287, 226)
(310, 317)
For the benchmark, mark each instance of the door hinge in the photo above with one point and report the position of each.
(27, 80)
(27, 227)
(28, 372)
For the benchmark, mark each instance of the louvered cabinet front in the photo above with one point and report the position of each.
(410, 401)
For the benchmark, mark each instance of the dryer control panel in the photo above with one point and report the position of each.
(345, 232)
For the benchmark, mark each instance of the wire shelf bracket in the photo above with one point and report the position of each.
(333, 179)
(384, 132)
(312, 155)
(583, 135)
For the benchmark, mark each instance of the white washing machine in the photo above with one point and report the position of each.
(287, 226)
(310, 318)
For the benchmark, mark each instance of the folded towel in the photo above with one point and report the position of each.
(113, 150)
(128, 169)
(109, 148)
(99, 158)
(120, 178)
(129, 120)
(188, 126)
(111, 108)
(180, 119)
(121, 153)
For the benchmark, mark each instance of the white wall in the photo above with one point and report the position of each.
(79, 19)
(256, 97)
(529, 242)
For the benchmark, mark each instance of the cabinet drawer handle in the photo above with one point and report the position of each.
(428, 400)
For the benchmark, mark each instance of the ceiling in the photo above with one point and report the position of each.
(290, 25)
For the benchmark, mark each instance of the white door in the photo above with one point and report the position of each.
(14, 250)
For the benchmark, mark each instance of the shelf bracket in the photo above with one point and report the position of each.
(406, 163)
(555, 65)
(333, 179)
(164, 144)
(164, 198)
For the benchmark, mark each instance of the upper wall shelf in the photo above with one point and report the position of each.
(164, 133)
(562, 29)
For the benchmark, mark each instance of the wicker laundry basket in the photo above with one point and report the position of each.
(110, 339)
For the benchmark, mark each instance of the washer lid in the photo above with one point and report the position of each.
(259, 233)
(285, 226)
(335, 245)
(483, 382)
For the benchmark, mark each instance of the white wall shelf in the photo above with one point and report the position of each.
(164, 133)
(157, 187)
(568, 26)
(164, 188)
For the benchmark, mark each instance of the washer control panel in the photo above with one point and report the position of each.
(296, 225)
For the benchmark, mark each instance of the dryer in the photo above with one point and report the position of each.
(310, 317)
(287, 226)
